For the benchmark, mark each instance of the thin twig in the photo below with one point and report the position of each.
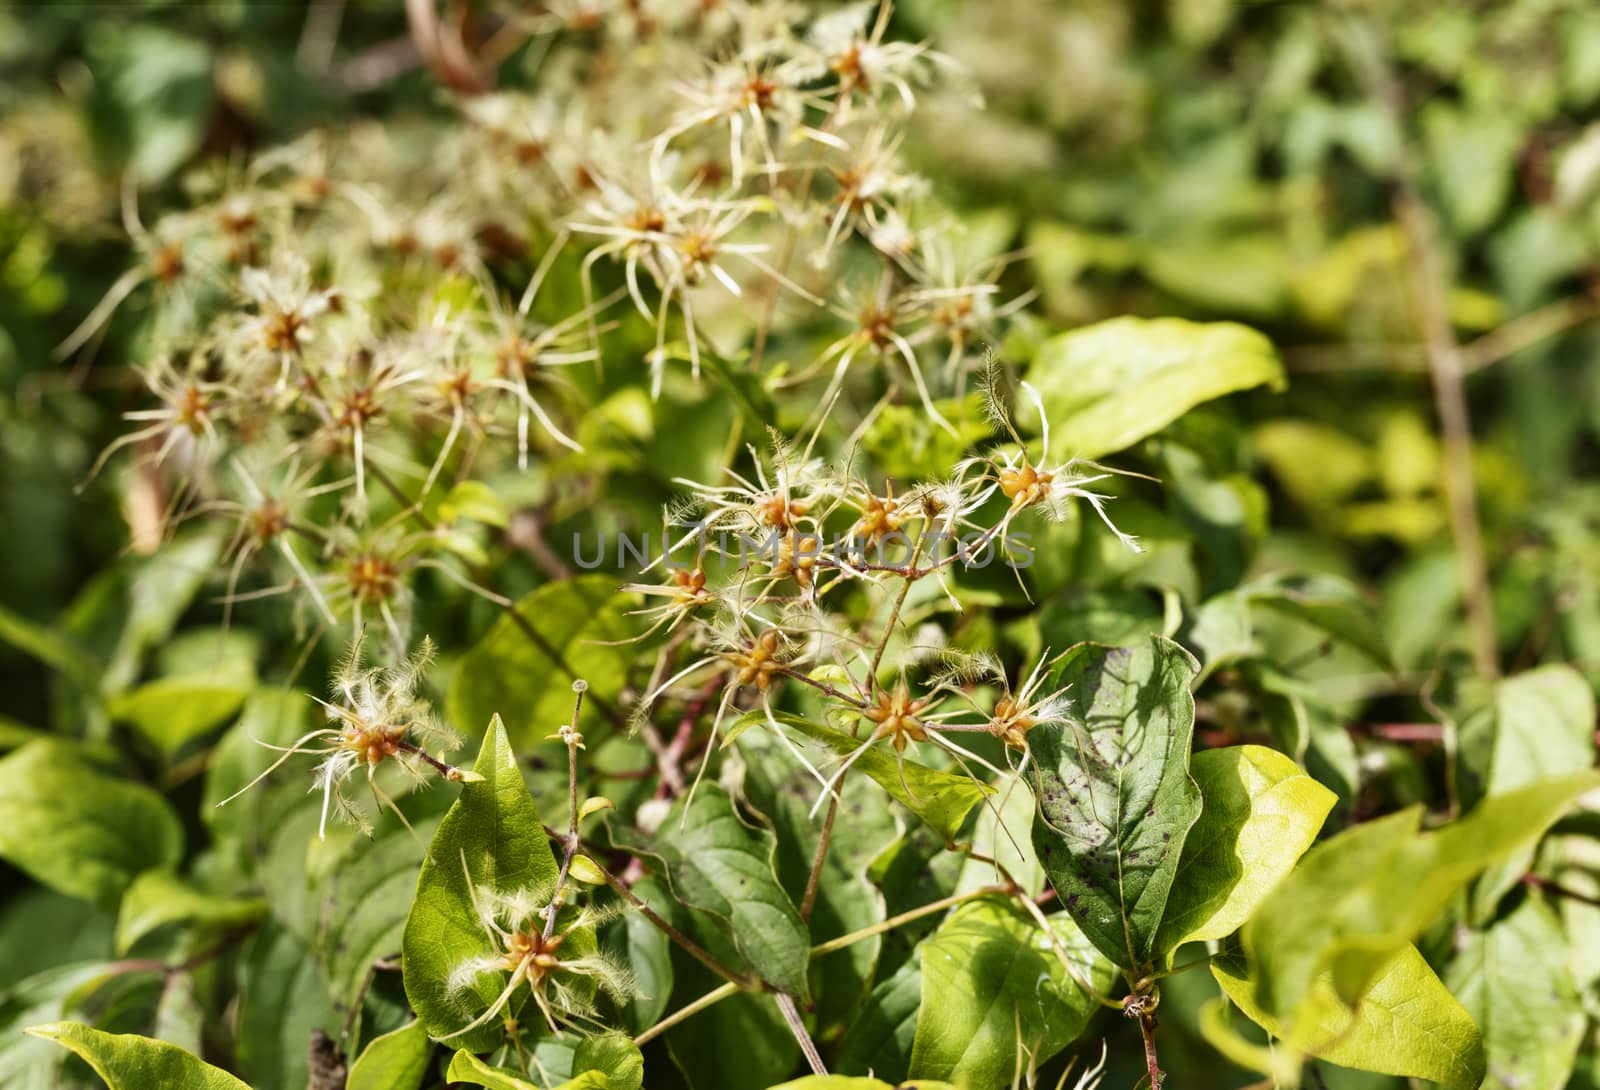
(689, 946)
(569, 849)
(791, 1015)
(712, 997)
(1446, 368)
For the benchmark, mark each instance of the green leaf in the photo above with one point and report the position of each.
(523, 673)
(847, 901)
(395, 1061)
(723, 870)
(1406, 1024)
(173, 711)
(1108, 385)
(283, 997)
(1537, 724)
(615, 1056)
(884, 1031)
(493, 833)
(467, 1068)
(365, 898)
(52, 648)
(942, 799)
(1358, 899)
(1260, 813)
(1516, 981)
(154, 91)
(28, 1063)
(988, 976)
(130, 1062)
(159, 897)
(1115, 796)
(77, 830)
(1226, 625)
(475, 501)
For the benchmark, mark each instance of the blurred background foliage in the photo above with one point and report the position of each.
(1202, 158)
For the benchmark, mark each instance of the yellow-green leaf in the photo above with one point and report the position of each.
(395, 1061)
(1108, 385)
(1260, 813)
(127, 1061)
(1407, 1023)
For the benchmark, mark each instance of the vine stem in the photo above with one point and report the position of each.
(791, 1015)
(814, 880)
(569, 848)
(1446, 366)
(907, 917)
(711, 998)
(1147, 1030)
(689, 946)
(832, 945)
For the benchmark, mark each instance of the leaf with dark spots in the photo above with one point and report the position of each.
(1116, 796)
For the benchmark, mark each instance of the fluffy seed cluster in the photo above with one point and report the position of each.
(349, 332)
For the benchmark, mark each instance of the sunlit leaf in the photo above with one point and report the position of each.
(78, 830)
(491, 841)
(1360, 898)
(1260, 813)
(1407, 1023)
(130, 1062)
(1515, 979)
(722, 869)
(395, 1061)
(1108, 385)
(991, 979)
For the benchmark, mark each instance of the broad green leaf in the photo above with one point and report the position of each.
(154, 92)
(649, 958)
(395, 1061)
(283, 998)
(467, 1068)
(1261, 812)
(1001, 832)
(1537, 724)
(523, 672)
(1108, 385)
(1358, 899)
(52, 648)
(723, 870)
(173, 711)
(1225, 627)
(849, 1082)
(942, 799)
(990, 979)
(884, 1031)
(365, 897)
(1407, 1023)
(1515, 980)
(613, 1055)
(77, 830)
(491, 842)
(1115, 796)
(130, 1062)
(160, 897)
(29, 1063)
